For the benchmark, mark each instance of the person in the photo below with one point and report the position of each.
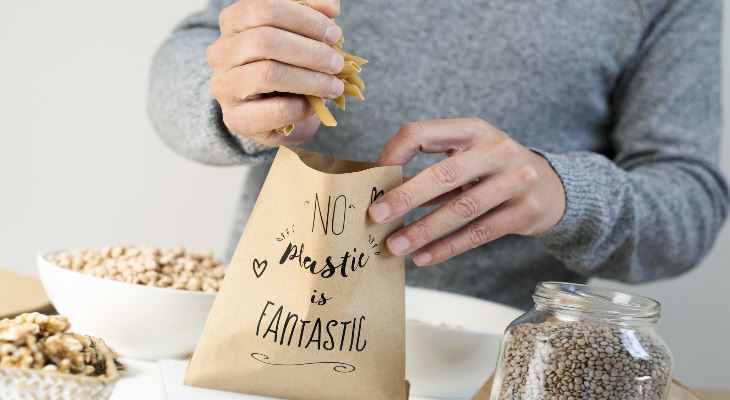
(549, 140)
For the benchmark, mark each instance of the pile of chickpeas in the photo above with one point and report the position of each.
(174, 268)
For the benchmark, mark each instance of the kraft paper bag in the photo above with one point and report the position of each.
(312, 305)
(21, 293)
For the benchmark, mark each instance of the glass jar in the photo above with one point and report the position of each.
(583, 342)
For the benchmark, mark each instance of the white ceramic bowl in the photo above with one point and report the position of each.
(452, 341)
(134, 320)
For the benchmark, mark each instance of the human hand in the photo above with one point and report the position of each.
(490, 186)
(268, 47)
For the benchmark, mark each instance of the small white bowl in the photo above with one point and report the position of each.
(452, 341)
(134, 320)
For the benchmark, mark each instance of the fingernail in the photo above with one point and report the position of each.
(422, 258)
(398, 244)
(337, 63)
(379, 211)
(336, 88)
(332, 34)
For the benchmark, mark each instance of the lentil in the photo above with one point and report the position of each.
(583, 360)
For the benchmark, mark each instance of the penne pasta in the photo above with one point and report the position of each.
(322, 111)
(351, 57)
(339, 102)
(355, 59)
(350, 68)
(286, 130)
(355, 80)
(353, 91)
(354, 85)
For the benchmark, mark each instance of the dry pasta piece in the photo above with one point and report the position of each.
(353, 91)
(355, 80)
(354, 86)
(340, 102)
(322, 111)
(286, 130)
(350, 68)
(350, 57)
(355, 59)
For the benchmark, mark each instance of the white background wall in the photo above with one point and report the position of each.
(80, 165)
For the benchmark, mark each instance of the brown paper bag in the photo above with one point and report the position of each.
(20, 293)
(312, 305)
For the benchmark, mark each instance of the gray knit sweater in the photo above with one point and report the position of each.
(621, 96)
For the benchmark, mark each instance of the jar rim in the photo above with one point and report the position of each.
(596, 300)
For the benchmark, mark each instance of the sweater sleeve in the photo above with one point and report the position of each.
(653, 210)
(183, 112)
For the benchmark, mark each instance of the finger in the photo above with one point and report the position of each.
(267, 43)
(257, 118)
(303, 131)
(469, 185)
(491, 226)
(441, 199)
(437, 200)
(432, 182)
(457, 212)
(330, 8)
(431, 136)
(267, 76)
(283, 14)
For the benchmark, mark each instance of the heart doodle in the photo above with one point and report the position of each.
(259, 267)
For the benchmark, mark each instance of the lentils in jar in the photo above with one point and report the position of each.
(578, 344)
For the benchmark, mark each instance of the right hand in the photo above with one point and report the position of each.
(270, 47)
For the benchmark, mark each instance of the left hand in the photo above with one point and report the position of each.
(490, 186)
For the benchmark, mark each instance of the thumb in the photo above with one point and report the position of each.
(330, 8)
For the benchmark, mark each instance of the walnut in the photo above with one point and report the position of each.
(12, 332)
(43, 342)
(49, 324)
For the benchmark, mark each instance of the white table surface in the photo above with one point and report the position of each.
(143, 380)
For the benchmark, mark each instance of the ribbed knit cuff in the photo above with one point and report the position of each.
(250, 146)
(254, 151)
(587, 181)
